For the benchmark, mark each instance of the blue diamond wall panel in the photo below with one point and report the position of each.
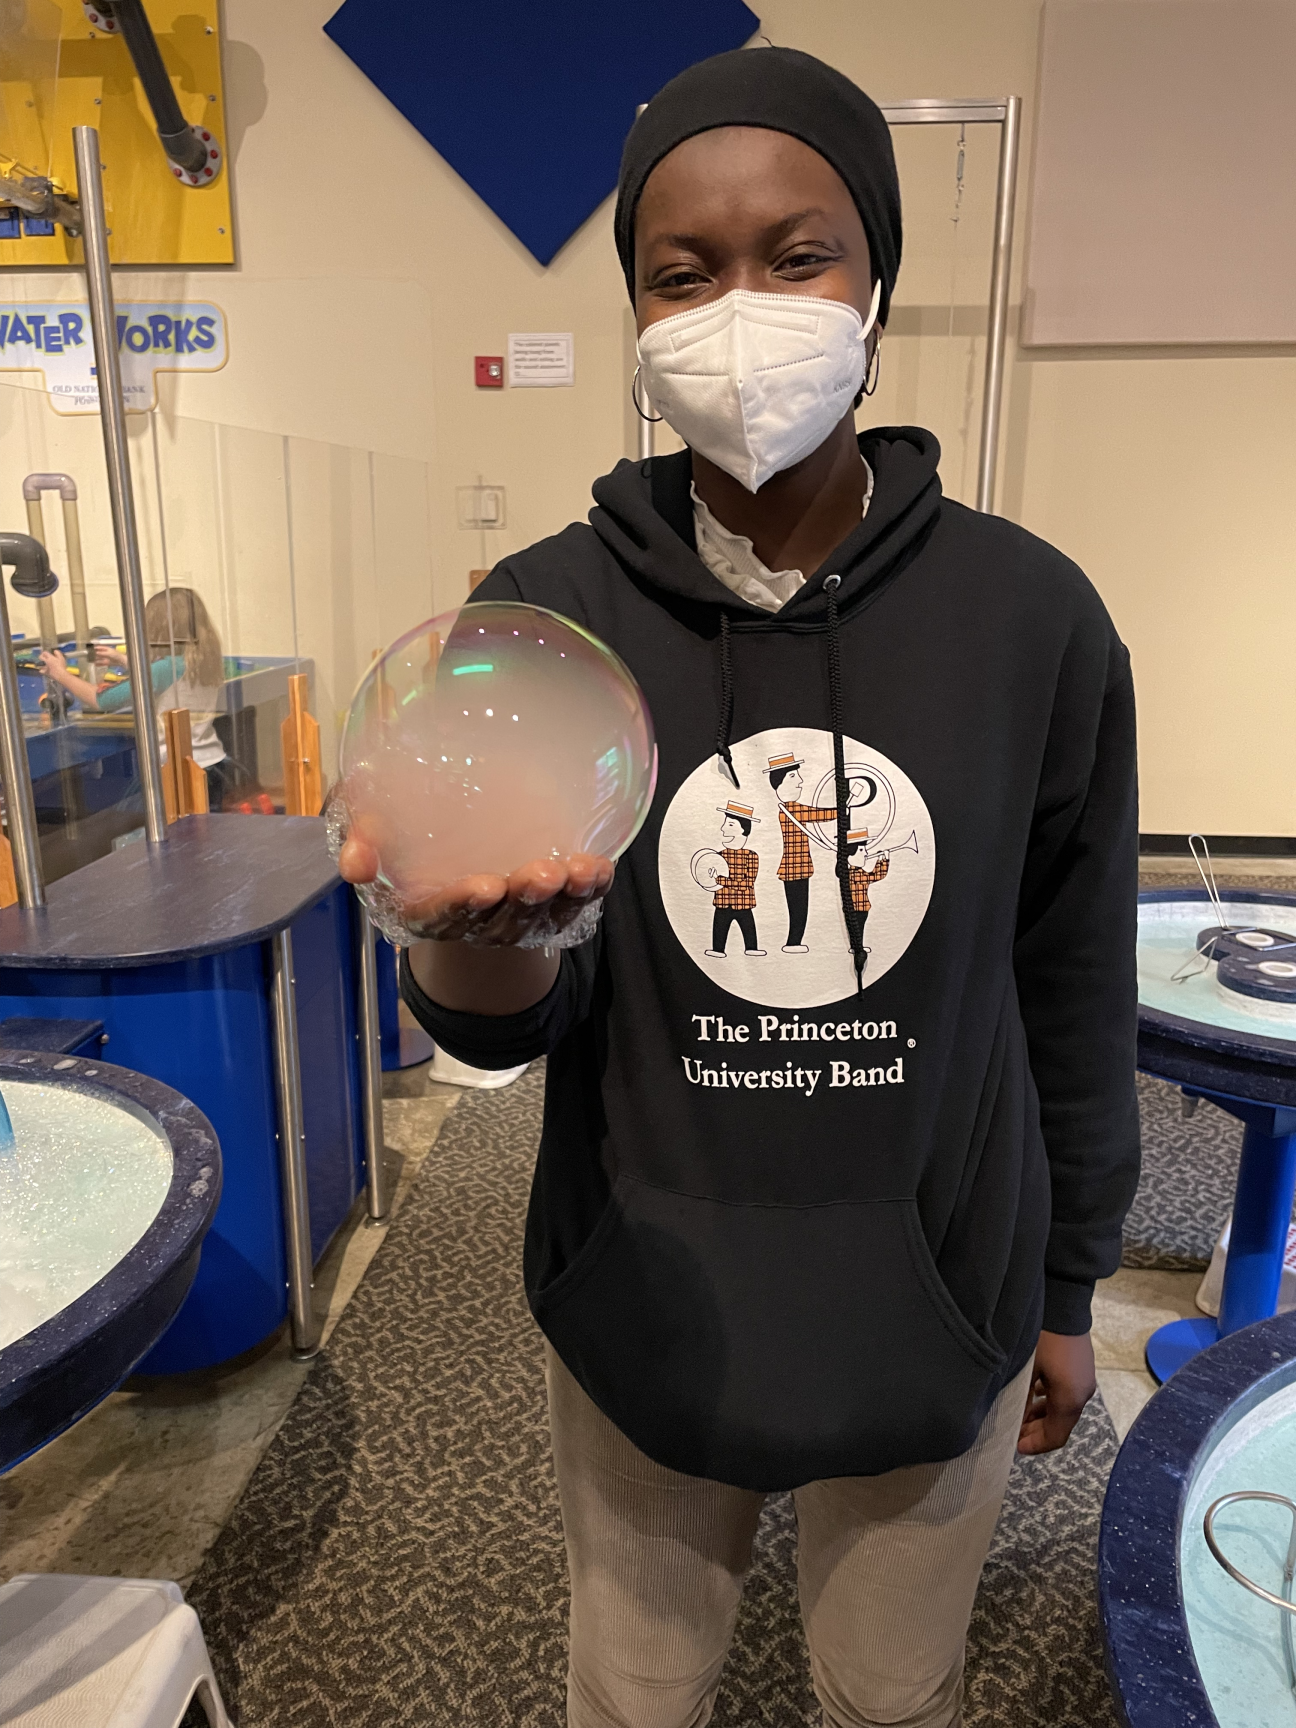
(530, 103)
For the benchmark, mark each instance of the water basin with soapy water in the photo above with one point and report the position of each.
(80, 1185)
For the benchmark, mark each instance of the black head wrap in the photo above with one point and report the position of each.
(785, 91)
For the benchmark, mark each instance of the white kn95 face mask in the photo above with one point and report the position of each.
(755, 382)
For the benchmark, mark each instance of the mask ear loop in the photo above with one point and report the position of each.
(875, 306)
(871, 370)
(652, 419)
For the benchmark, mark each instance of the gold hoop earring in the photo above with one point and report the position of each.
(652, 419)
(874, 368)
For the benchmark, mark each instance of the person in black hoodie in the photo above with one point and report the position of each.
(872, 1282)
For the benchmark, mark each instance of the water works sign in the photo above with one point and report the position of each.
(152, 336)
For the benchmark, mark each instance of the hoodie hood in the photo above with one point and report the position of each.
(643, 514)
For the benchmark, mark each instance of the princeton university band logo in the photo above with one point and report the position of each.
(749, 877)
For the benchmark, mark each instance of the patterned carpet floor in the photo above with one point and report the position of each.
(397, 1556)
(1186, 1187)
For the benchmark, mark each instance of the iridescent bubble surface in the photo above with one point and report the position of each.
(81, 1185)
(492, 736)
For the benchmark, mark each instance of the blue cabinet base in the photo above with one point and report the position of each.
(1262, 1210)
(205, 1027)
(1177, 1342)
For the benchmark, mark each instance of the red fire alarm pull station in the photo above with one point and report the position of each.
(489, 371)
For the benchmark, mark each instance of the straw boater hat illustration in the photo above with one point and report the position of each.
(734, 808)
(787, 760)
(857, 836)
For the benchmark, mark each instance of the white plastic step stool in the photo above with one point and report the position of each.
(101, 1653)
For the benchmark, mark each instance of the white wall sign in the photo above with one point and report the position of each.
(543, 359)
(153, 336)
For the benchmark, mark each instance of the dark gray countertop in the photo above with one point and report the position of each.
(219, 882)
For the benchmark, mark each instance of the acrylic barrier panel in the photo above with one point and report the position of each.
(36, 440)
(216, 500)
(83, 759)
(262, 556)
(307, 557)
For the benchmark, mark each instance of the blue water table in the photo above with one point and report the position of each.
(1217, 1018)
(232, 965)
(82, 1300)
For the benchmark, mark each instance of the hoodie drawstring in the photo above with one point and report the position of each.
(726, 700)
(854, 923)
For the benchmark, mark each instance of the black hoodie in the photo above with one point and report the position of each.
(781, 1228)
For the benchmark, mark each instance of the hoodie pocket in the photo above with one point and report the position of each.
(768, 1346)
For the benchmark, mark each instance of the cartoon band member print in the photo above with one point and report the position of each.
(859, 877)
(713, 843)
(733, 872)
(797, 866)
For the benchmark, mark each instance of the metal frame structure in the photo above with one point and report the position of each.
(1289, 1565)
(112, 414)
(305, 1328)
(1005, 113)
(378, 1200)
(972, 111)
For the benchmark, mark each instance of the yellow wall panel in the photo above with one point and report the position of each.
(58, 72)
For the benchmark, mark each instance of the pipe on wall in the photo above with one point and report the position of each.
(34, 579)
(176, 135)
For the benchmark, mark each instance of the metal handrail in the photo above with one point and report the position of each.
(975, 111)
(103, 325)
(1239, 1577)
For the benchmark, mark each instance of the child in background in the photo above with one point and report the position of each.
(188, 671)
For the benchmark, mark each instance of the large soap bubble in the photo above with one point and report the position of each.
(489, 737)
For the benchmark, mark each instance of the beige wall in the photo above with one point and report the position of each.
(369, 276)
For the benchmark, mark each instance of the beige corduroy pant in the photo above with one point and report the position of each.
(887, 1570)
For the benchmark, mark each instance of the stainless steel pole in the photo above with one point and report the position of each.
(19, 803)
(103, 324)
(292, 1154)
(371, 1071)
(997, 328)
